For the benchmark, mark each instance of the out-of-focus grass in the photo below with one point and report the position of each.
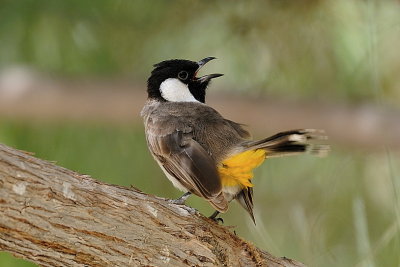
(321, 49)
(7, 260)
(306, 208)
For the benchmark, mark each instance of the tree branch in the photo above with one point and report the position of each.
(56, 217)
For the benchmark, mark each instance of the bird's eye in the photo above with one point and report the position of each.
(182, 75)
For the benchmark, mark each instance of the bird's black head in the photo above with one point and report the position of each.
(175, 80)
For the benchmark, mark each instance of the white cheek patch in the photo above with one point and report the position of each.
(174, 90)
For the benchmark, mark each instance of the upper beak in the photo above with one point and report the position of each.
(208, 77)
(202, 62)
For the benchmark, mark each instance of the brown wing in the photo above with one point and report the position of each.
(187, 161)
(239, 129)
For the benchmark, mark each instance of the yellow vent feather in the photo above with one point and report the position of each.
(238, 169)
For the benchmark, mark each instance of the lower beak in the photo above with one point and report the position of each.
(208, 77)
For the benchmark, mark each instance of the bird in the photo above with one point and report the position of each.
(200, 151)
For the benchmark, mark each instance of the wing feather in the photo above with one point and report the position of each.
(186, 160)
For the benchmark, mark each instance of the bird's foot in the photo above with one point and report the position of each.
(215, 219)
(218, 220)
(181, 200)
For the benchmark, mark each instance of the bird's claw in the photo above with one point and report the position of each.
(219, 220)
(181, 200)
(177, 201)
(214, 217)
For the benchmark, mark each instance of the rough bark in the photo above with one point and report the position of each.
(56, 217)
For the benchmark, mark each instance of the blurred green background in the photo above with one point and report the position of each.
(342, 210)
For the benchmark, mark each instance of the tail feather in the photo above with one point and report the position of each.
(282, 144)
(245, 199)
(292, 142)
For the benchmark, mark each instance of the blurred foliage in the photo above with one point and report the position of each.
(323, 212)
(311, 209)
(7, 260)
(339, 49)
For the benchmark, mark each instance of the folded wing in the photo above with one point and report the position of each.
(186, 160)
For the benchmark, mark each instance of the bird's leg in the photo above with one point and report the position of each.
(214, 217)
(182, 199)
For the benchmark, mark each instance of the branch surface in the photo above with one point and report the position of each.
(56, 217)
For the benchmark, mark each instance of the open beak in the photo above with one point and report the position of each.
(208, 77)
